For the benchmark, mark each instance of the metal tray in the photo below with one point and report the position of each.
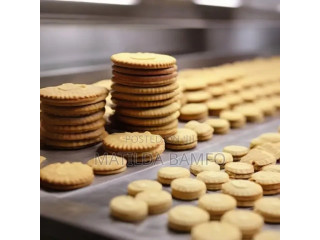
(84, 213)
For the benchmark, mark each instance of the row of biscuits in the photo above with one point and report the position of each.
(144, 98)
(239, 92)
(146, 147)
(219, 206)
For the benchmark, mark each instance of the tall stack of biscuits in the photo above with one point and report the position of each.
(145, 92)
(72, 115)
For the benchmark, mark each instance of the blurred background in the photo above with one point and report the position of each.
(79, 36)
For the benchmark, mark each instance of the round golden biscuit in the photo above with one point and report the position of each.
(158, 201)
(149, 72)
(149, 113)
(244, 191)
(183, 136)
(200, 166)
(217, 204)
(107, 164)
(132, 142)
(183, 217)
(142, 185)
(249, 223)
(75, 111)
(193, 111)
(143, 60)
(145, 122)
(197, 96)
(187, 188)
(239, 168)
(204, 131)
(269, 209)
(220, 158)
(213, 179)
(128, 209)
(236, 150)
(73, 93)
(215, 107)
(66, 176)
(220, 126)
(167, 174)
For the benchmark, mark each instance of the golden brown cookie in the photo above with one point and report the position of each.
(244, 191)
(236, 151)
(193, 111)
(215, 107)
(143, 78)
(132, 142)
(128, 209)
(148, 72)
(204, 131)
(149, 113)
(138, 186)
(158, 201)
(66, 176)
(142, 104)
(69, 94)
(239, 170)
(269, 181)
(167, 174)
(236, 119)
(74, 128)
(216, 91)
(200, 166)
(232, 99)
(269, 209)
(258, 158)
(145, 90)
(184, 139)
(75, 111)
(149, 84)
(220, 158)
(146, 97)
(187, 188)
(143, 60)
(197, 96)
(107, 164)
(272, 148)
(220, 126)
(152, 122)
(250, 223)
(217, 204)
(252, 113)
(183, 217)
(166, 130)
(54, 120)
(76, 144)
(213, 179)
(72, 136)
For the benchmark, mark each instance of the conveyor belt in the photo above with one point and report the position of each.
(84, 213)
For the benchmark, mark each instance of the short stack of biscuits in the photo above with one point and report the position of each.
(72, 115)
(145, 92)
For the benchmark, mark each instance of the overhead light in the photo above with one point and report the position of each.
(220, 3)
(114, 2)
